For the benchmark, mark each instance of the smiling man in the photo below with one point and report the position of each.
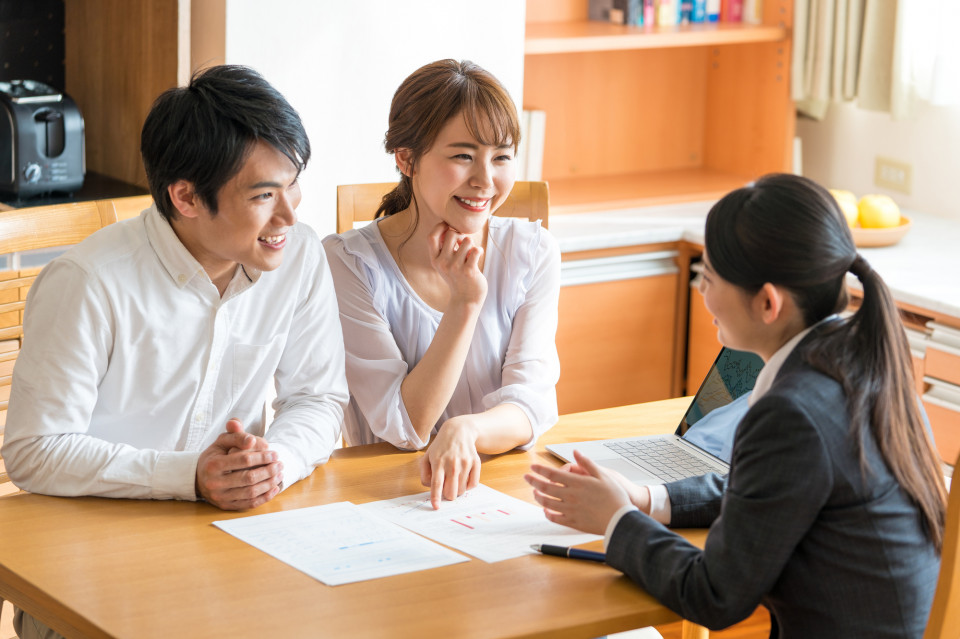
(149, 347)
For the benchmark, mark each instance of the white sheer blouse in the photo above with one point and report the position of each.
(387, 329)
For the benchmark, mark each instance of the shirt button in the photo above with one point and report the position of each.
(182, 278)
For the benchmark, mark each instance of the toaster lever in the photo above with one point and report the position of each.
(52, 124)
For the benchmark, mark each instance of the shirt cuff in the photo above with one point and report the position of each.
(617, 516)
(660, 504)
(293, 467)
(533, 430)
(175, 475)
(406, 424)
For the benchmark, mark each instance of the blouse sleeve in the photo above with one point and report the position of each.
(531, 366)
(374, 364)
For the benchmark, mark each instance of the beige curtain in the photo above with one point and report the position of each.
(843, 50)
(927, 58)
(885, 54)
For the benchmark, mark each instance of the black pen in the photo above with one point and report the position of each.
(572, 553)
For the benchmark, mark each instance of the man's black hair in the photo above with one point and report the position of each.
(204, 132)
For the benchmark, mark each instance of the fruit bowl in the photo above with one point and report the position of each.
(867, 238)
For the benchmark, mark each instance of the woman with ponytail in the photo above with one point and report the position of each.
(449, 315)
(832, 513)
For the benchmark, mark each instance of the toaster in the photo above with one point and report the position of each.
(41, 140)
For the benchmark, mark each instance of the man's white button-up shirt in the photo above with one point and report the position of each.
(132, 363)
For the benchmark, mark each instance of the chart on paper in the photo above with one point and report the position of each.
(485, 523)
(482, 518)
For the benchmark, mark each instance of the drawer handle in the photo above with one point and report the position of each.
(942, 394)
(943, 348)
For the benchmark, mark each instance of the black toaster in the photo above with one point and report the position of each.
(41, 140)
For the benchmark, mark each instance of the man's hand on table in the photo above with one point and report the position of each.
(238, 471)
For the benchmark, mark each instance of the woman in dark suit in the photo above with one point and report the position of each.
(832, 512)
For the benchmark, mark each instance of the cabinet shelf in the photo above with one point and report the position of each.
(651, 188)
(639, 117)
(570, 37)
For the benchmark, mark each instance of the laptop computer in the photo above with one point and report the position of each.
(703, 441)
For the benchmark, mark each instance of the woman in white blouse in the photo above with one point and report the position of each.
(449, 315)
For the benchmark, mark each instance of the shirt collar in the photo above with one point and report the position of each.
(180, 264)
(174, 256)
(773, 366)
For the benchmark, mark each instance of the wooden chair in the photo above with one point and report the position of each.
(126, 207)
(29, 229)
(944, 622)
(359, 202)
(57, 226)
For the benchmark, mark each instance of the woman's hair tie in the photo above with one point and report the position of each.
(860, 267)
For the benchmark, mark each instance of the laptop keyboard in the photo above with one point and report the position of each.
(661, 457)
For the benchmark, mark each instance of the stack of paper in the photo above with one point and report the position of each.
(341, 543)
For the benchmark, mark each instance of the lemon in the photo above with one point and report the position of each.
(878, 212)
(848, 204)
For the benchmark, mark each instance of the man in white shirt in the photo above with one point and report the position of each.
(148, 348)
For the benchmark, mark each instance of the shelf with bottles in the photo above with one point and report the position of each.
(650, 188)
(546, 38)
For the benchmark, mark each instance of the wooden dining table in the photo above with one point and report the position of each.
(96, 567)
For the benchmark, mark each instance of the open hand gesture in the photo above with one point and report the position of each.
(584, 497)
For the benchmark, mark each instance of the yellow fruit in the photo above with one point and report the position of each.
(848, 204)
(878, 212)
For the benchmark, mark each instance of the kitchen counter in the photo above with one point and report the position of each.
(95, 187)
(923, 269)
(630, 227)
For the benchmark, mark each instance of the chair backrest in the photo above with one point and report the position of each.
(359, 202)
(29, 238)
(126, 207)
(5, 485)
(944, 622)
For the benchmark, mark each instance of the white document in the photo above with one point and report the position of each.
(339, 543)
(485, 523)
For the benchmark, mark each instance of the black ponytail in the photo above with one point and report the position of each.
(789, 231)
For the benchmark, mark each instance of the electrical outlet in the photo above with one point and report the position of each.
(893, 175)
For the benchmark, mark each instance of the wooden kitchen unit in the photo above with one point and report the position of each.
(639, 117)
(622, 313)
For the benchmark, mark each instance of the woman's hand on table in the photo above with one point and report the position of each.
(451, 466)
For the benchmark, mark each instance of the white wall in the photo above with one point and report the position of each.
(840, 152)
(338, 62)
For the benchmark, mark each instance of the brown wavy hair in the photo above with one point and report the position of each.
(426, 101)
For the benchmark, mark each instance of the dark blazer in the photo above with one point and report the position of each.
(799, 528)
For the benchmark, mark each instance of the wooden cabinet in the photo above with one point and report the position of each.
(119, 56)
(941, 384)
(618, 327)
(703, 346)
(646, 115)
(638, 116)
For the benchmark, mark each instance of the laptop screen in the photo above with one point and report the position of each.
(711, 421)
